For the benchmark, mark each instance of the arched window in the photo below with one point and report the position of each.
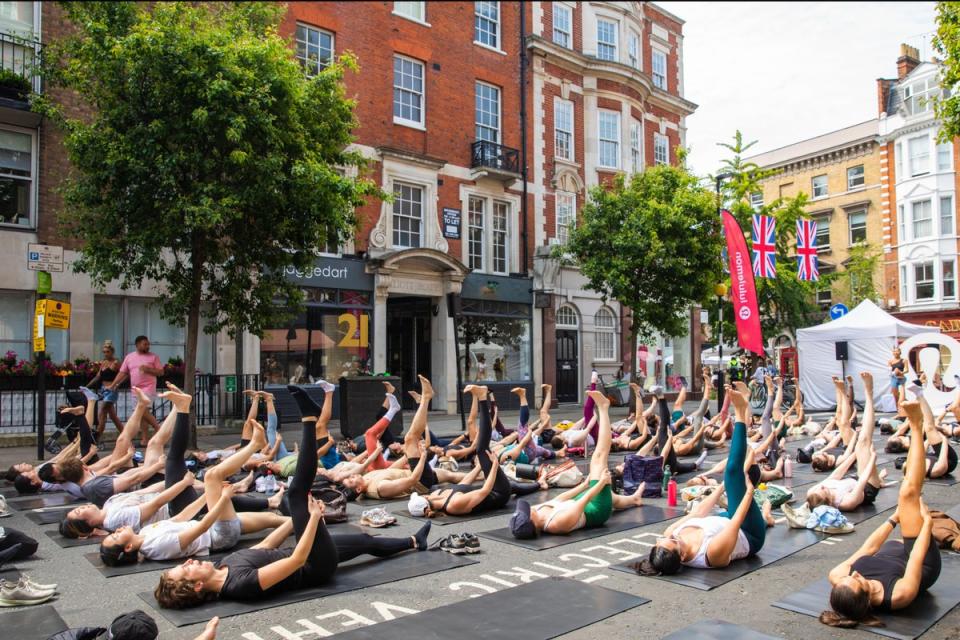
(567, 317)
(605, 325)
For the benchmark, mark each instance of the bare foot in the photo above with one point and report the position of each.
(244, 485)
(767, 515)
(520, 391)
(274, 501)
(469, 388)
(867, 379)
(415, 396)
(546, 389)
(838, 383)
(144, 399)
(426, 389)
(637, 497)
(174, 388)
(740, 397)
(636, 388)
(479, 391)
(259, 437)
(914, 414)
(76, 411)
(210, 631)
(599, 399)
(389, 387)
(180, 400)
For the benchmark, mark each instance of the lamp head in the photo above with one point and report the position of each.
(720, 290)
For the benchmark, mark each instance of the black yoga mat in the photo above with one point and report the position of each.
(31, 623)
(43, 502)
(780, 543)
(904, 624)
(69, 543)
(507, 509)
(544, 609)
(948, 480)
(619, 521)
(357, 574)
(886, 500)
(717, 630)
(49, 516)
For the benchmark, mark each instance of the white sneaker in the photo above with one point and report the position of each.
(37, 585)
(5, 511)
(22, 593)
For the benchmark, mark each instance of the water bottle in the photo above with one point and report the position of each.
(788, 468)
(271, 483)
(667, 474)
(672, 493)
(261, 484)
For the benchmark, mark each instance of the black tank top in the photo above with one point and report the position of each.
(898, 366)
(454, 490)
(886, 566)
(107, 374)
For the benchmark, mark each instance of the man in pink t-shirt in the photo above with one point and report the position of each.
(142, 367)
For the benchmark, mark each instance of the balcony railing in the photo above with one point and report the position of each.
(21, 56)
(490, 155)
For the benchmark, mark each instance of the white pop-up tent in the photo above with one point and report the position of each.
(870, 334)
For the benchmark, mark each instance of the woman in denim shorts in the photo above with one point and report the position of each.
(109, 367)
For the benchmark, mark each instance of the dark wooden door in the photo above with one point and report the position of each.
(568, 365)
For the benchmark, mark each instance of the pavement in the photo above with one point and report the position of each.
(89, 599)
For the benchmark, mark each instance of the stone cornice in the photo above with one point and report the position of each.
(824, 157)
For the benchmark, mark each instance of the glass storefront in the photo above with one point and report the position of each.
(495, 341)
(333, 338)
(664, 361)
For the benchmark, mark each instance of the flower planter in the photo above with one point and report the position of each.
(13, 93)
(74, 381)
(18, 383)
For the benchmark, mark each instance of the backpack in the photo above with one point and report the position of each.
(637, 469)
(335, 502)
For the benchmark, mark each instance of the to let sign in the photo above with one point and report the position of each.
(451, 223)
(57, 315)
(44, 257)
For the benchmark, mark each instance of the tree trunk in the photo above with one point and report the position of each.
(193, 337)
(633, 350)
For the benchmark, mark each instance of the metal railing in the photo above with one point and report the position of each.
(213, 403)
(22, 56)
(494, 156)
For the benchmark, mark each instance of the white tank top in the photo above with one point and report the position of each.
(711, 526)
(839, 489)
(560, 506)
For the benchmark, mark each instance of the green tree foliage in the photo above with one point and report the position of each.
(786, 303)
(653, 244)
(208, 162)
(855, 282)
(947, 43)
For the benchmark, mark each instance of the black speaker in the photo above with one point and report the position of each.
(841, 351)
(454, 305)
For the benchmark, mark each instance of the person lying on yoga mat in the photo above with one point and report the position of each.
(847, 494)
(273, 450)
(286, 466)
(888, 575)
(527, 450)
(758, 473)
(180, 536)
(587, 506)
(941, 458)
(707, 541)
(265, 570)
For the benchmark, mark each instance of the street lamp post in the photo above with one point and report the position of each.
(720, 290)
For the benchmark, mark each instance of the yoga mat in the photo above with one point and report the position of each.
(357, 574)
(904, 624)
(507, 509)
(541, 609)
(948, 480)
(619, 521)
(43, 502)
(780, 543)
(717, 630)
(50, 516)
(886, 500)
(32, 623)
(69, 543)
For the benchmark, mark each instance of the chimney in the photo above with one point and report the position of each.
(883, 94)
(908, 60)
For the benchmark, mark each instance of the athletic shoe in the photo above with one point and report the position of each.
(22, 593)
(453, 543)
(471, 542)
(796, 516)
(89, 394)
(375, 518)
(5, 511)
(37, 585)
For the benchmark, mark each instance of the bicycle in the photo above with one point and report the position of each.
(758, 395)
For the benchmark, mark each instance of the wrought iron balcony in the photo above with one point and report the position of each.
(19, 58)
(494, 160)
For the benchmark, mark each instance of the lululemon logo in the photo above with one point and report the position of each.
(744, 313)
(929, 359)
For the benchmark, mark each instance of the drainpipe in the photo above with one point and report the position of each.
(523, 135)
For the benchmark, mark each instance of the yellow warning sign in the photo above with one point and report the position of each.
(39, 341)
(57, 315)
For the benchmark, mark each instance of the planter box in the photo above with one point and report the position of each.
(13, 93)
(18, 383)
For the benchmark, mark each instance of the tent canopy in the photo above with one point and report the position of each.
(870, 334)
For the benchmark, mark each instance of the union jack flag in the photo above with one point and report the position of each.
(764, 247)
(807, 250)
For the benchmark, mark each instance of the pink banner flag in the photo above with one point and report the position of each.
(743, 292)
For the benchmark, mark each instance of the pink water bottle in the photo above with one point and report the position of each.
(788, 468)
(672, 493)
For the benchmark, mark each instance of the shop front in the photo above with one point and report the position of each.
(947, 322)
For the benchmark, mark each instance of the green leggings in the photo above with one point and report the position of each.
(600, 507)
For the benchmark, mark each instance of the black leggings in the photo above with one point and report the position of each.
(351, 545)
(11, 537)
(427, 478)
(322, 561)
(663, 433)
(176, 467)
(500, 494)
(951, 457)
(503, 431)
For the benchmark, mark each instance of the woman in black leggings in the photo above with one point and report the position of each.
(265, 570)
(664, 436)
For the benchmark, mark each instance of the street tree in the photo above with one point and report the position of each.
(208, 161)
(946, 41)
(653, 243)
(855, 283)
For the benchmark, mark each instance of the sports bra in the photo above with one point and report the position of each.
(558, 508)
(899, 364)
(711, 527)
(454, 490)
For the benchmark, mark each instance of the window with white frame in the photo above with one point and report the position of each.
(756, 200)
(823, 234)
(633, 49)
(944, 156)
(408, 91)
(919, 151)
(824, 294)
(947, 227)
(609, 134)
(898, 152)
(818, 185)
(858, 225)
(486, 23)
(902, 219)
(500, 258)
(17, 174)
(567, 317)
(607, 40)
(661, 149)
(605, 326)
(918, 96)
(314, 48)
(855, 177)
(922, 218)
(566, 210)
(476, 229)
(17, 18)
(16, 327)
(659, 68)
(563, 129)
(904, 289)
(636, 159)
(407, 215)
(413, 10)
(923, 281)
(949, 278)
(562, 25)
(487, 113)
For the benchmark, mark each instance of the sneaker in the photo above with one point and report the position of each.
(5, 511)
(38, 585)
(796, 516)
(22, 593)
(471, 542)
(453, 543)
(375, 518)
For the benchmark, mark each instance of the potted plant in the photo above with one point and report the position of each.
(14, 86)
(174, 371)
